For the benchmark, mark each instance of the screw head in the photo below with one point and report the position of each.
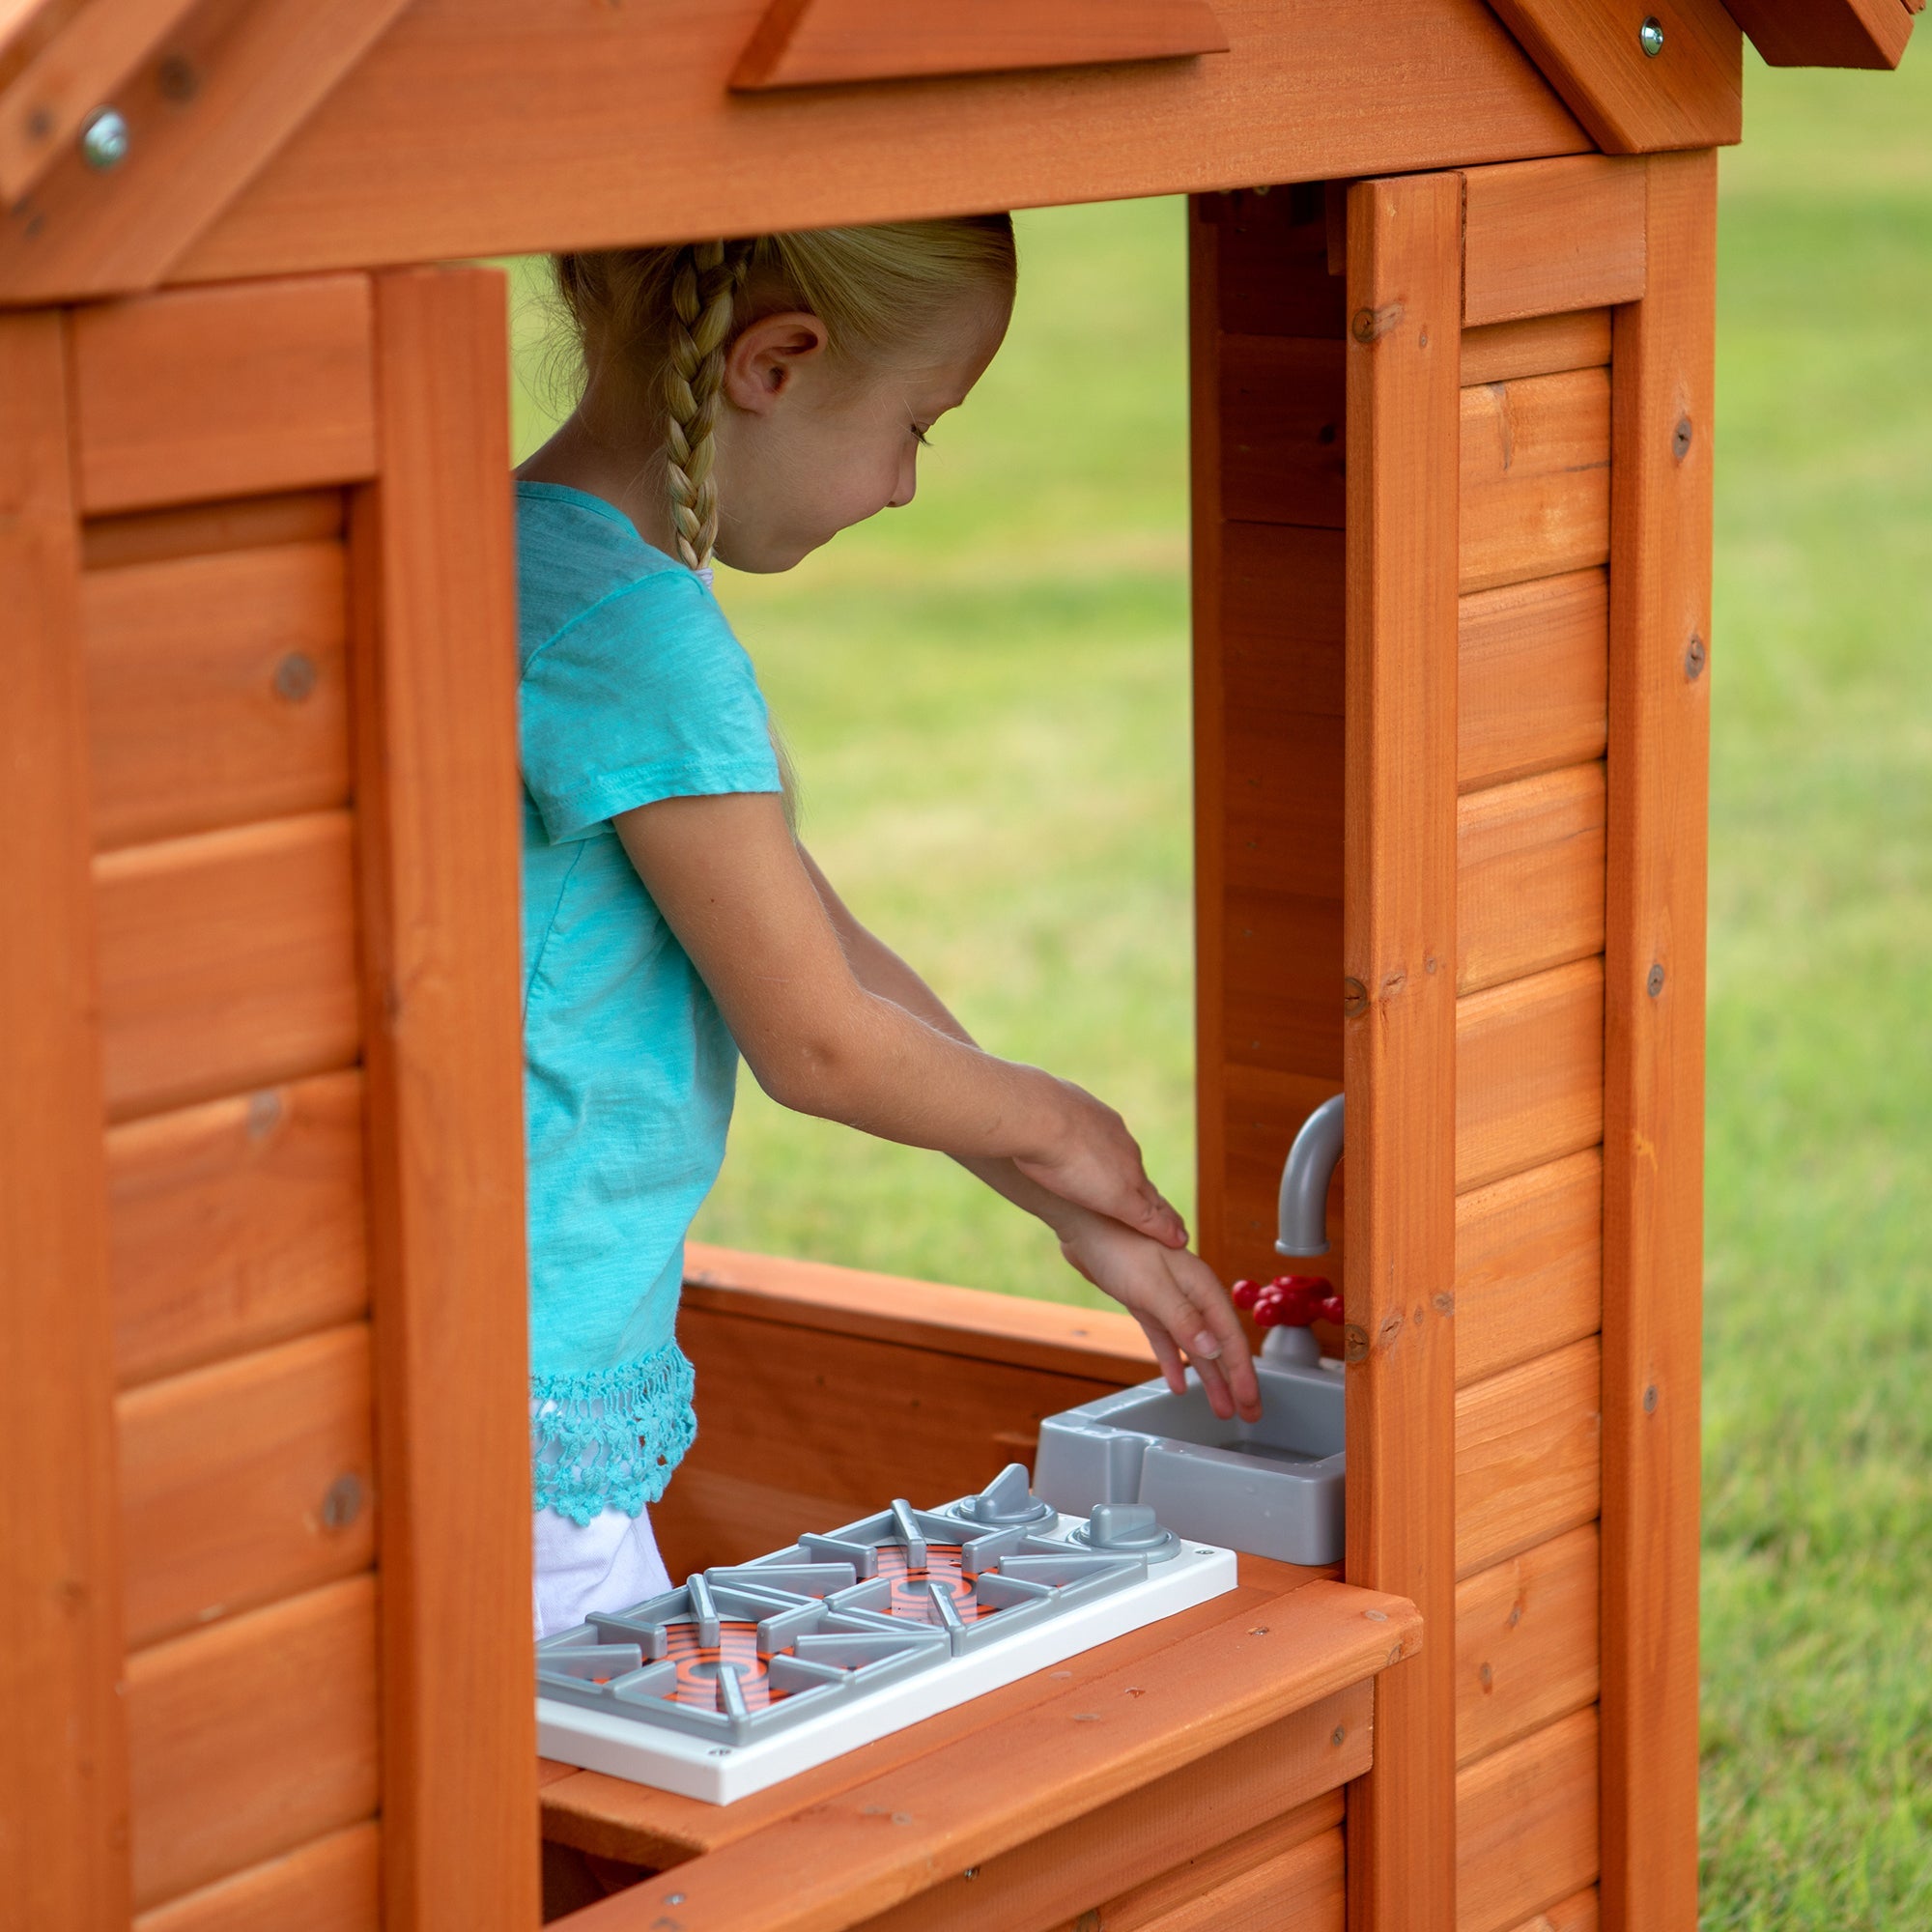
(1653, 984)
(1650, 37)
(343, 1503)
(1650, 1400)
(295, 677)
(1695, 655)
(103, 140)
(1680, 438)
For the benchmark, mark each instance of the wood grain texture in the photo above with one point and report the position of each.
(1399, 1041)
(1264, 1112)
(223, 392)
(434, 648)
(198, 529)
(1528, 1454)
(1280, 436)
(1545, 344)
(63, 1770)
(1690, 95)
(1282, 964)
(971, 1803)
(1529, 1265)
(1533, 678)
(235, 1223)
(1529, 876)
(1529, 1072)
(1576, 1914)
(822, 43)
(1268, 1784)
(366, 179)
(224, 1472)
(1528, 1819)
(227, 961)
(1840, 33)
(217, 691)
(1527, 1643)
(1540, 237)
(251, 1738)
(1301, 1890)
(1273, 275)
(1281, 625)
(258, 66)
(1654, 1089)
(329, 1885)
(1536, 477)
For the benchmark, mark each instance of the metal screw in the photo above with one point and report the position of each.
(104, 140)
(295, 676)
(1339, 1733)
(971, 1871)
(1650, 37)
(1680, 438)
(343, 1503)
(1694, 658)
(1650, 1400)
(673, 1898)
(1354, 998)
(1653, 984)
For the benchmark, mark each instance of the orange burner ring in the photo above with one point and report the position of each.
(697, 1666)
(912, 1599)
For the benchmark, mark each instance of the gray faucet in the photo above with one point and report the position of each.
(1302, 1216)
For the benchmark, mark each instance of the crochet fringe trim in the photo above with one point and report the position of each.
(610, 1439)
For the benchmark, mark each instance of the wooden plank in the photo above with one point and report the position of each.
(252, 1737)
(1286, 105)
(1528, 1817)
(1840, 32)
(1268, 1784)
(1528, 1454)
(223, 392)
(63, 1774)
(1536, 477)
(1529, 1072)
(245, 523)
(1533, 678)
(1544, 345)
(1299, 1889)
(1654, 1096)
(1085, 1748)
(1103, 1345)
(1281, 440)
(1690, 95)
(1529, 876)
(1529, 1265)
(1576, 1914)
(820, 42)
(1272, 275)
(235, 79)
(1282, 962)
(1284, 807)
(1399, 1051)
(217, 691)
(1281, 620)
(1263, 1113)
(329, 1885)
(1527, 1643)
(1543, 236)
(235, 1223)
(227, 961)
(246, 1482)
(437, 775)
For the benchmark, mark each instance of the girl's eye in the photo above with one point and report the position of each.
(922, 434)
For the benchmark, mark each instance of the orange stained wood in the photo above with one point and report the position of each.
(1576, 1914)
(1653, 1074)
(1526, 1816)
(435, 646)
(1689, 95)
(223, 392)
(63, 1763)
(198, 529)
(1532, 676)
(329, 1885)
(1541, 345)
(1837, 33)
(817, 42)
(1405, 299)
(1546, 237)
(1302, 1889)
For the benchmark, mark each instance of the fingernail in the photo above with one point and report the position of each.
(1205, 1344)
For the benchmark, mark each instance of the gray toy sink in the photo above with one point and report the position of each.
(1272, 1488)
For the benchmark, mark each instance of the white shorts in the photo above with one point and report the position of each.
(607, 1564)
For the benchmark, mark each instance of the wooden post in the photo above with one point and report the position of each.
(436, 779)
(63, 1747)
(1654, 1077)
(1399, 1040)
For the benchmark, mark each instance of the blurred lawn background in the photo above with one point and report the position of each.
(987, 696)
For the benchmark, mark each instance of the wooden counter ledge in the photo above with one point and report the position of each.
(1220, 1737)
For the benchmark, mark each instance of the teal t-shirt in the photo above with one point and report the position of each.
(633, 689)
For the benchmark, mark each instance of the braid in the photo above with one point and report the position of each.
(704, 289)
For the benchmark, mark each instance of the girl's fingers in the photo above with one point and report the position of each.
(1214, 1385)
(1164, 1352)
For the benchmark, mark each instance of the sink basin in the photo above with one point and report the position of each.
(1272, 1488)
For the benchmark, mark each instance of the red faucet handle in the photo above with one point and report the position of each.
(1244, 1294)
(1291, 1300)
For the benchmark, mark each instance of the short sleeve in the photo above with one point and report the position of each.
(645, 696)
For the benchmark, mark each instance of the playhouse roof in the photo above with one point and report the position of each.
(151, 141)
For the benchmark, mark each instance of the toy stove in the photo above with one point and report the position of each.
(752, 1673)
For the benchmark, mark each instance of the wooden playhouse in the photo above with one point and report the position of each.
(265, 1558)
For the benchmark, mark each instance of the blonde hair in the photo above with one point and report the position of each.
(656, 323)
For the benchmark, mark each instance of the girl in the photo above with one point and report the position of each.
(753, 397)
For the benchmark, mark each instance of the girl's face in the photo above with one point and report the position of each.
(808, 445)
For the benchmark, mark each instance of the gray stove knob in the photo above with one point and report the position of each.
(1128, 1529)
(1006, 1502)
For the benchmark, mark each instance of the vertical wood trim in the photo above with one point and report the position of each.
(1654, 1094)
(1399, 1054)
(63, 1747)
(437, 778)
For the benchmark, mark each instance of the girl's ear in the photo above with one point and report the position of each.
(764, 360)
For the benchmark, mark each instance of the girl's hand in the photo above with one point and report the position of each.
(1097, 1166)
(1180, 1304)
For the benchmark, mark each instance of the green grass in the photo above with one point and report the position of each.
(987, 695)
